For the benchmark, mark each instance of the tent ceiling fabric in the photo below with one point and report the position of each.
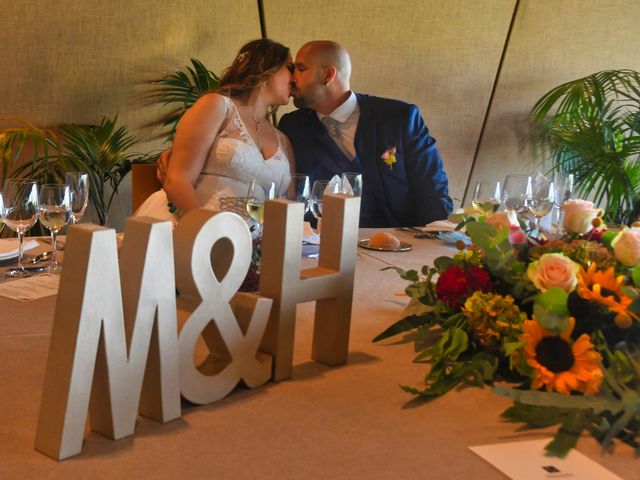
(84, 60)
(552, 42)
(440, 55)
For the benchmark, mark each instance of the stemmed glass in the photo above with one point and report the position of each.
(257, 194)
(541, 200)
(54, 213)
(20, 214)
(517, 190)
(352, 184)
(486, 197)
(299, 189)
(78, 183)
(564, 189)
(320, 187)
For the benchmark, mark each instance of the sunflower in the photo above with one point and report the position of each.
(605, 288)
(559, 364)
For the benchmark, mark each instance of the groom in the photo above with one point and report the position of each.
(336, 130)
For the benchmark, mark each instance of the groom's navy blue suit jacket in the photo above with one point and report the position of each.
(413, 192)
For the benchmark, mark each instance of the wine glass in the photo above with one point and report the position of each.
(486, 197)
(20, 214)
(352, 184)
(517, 190)
(564, 190)
(257, 194)
(541, 200)
(299, 189)
(78, 183)
(320, 187)
(54, 213)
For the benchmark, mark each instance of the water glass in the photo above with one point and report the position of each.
(352, 184)
(320, 187)
(486, 197)
(20, 214)
(564, 183)
(517, 190)
(54, 213)
(299, 189)
(78, 183)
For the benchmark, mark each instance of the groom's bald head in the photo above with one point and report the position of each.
(326, 53)
(321, 76)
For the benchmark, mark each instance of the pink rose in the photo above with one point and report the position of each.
(517, 236)
(578, 215)
(507, 218)
(626, 247)
(554, 270)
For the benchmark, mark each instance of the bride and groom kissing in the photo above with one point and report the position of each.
(225, 140)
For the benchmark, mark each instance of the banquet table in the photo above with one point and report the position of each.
(351, 421)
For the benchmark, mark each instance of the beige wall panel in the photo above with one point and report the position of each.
(440, 55)
(74, 61)
(552, 42)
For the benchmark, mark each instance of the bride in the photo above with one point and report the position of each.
(225, 140)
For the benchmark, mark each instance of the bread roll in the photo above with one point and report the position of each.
(384, 240)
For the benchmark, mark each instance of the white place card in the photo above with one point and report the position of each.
(30, 288)
(528, 461)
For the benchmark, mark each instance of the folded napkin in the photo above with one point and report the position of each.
(439, 226)
(453, 237)
(335, 185)
(9, 247)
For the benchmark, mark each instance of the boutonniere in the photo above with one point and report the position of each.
(389, 156)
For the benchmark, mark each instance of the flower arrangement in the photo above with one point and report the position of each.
(559, 320)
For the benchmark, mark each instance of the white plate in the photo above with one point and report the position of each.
(404, 247)
(9, 248)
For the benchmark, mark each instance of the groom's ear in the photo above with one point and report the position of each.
(330, 73)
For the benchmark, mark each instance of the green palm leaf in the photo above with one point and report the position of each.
(181, 90)
(589, 127)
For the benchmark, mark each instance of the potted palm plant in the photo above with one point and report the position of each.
(590, 127)
(181, 90)
(100, 150)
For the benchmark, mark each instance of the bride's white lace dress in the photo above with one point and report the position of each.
(234, 160)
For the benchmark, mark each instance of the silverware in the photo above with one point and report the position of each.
(418, 233)
(41, 257)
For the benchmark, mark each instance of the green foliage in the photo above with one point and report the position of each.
(99, 150)
(14, 140)
(550, 310)
(614, 413)
(591, 127)
(181, 90)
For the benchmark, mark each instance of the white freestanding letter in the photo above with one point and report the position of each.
(231, 324)
(331, 283)
(90, 353)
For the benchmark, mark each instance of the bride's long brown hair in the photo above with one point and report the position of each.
(256, 62)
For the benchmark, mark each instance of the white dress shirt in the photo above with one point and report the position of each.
(341, 124)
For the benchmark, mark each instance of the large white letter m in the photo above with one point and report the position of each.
(114, 347)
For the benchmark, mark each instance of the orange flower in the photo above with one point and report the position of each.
(559, 364)
(605, 288)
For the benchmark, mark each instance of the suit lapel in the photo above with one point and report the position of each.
(366, 142)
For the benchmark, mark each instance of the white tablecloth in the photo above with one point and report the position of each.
(339, 423)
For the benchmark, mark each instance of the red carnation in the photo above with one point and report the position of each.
(456, 284)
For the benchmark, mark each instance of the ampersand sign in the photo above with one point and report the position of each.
(231, 324)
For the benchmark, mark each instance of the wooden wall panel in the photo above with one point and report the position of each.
(441, 55)
(552, 42)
